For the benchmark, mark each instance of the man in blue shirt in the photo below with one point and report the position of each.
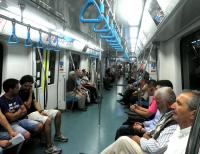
(13, 108)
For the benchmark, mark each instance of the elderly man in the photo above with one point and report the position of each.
(138, 128)
(73, 92)
(155, 141)
(185, 110)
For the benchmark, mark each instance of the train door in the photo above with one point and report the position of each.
(46, 77)
(63, 69)
(1, 65)
(190, 61)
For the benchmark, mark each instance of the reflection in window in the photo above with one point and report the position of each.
(1, 65)
(76, 60)
(156, 12)
(48, 64)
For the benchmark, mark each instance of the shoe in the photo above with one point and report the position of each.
(61, 138)
(120, 94)
(119, 100)
(53, 150)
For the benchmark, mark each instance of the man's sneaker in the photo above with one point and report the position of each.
(53, 150)
(61, 138)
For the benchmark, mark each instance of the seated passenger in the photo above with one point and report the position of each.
(35, 112)
(91, 87)
(13, 108)
(80, 88)
(155, 141)
(9, 138)
(185, 110)
(139, 128)
(159, 84)
(74, 93)
(140, 114)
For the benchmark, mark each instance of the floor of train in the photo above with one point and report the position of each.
(82, 128)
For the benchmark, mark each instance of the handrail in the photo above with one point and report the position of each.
(111, 35)
(28, 41)
(57, 48)
(49, 45)
(40, 44)
(13, 39)
(106, 27)
(100, 10)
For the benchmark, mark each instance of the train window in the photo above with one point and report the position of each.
(49, 56)
(1, 65)
(52, 63)
(39, 67)
(156, 12)
(190, 61)
(76, 59)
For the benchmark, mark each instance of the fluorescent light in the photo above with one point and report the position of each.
(131, 10)
(133, 32)
(15, 10)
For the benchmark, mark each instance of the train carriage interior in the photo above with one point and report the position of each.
(99, 76)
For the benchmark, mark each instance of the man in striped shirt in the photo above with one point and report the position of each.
(155, 141)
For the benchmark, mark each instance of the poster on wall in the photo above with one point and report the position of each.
(156, 12)
(153, 67)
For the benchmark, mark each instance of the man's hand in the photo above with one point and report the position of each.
(4, 143)
(136, 139)
(44, 114)
(137, 126)
(147, 135)
(12, 134)
(132, 108)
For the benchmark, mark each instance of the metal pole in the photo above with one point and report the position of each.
(58, 75)
(27, 25)
(101, 84)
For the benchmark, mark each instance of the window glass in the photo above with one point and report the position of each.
(190, 61)
(49, 62)
(76, 58)
(1, 65)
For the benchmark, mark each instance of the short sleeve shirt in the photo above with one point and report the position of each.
(10, 105)
(153, 107)
(24, 95)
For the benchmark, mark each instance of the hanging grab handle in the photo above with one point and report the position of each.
(49, 45)
(106, 27)
(57, 48)
(40, 43)
(28, 41)
(100, 11)
(13, 39)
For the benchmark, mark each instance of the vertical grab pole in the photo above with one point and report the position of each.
(58, 75)
(101, 83)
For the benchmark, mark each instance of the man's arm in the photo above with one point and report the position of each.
(141, 108)
(6, 125)
(143, 113)
(37, 106)
(13, 116)
(30, 99)
(160, 144)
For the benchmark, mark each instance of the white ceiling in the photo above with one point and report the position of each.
(129, 13)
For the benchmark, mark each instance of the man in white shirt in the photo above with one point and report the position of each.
(156, 141)
(185, 110)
